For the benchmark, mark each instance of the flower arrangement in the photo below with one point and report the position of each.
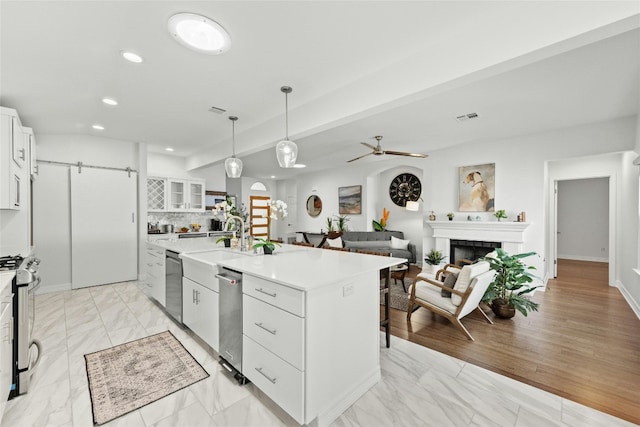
(227, 209)
(278, 209)
(382, 225)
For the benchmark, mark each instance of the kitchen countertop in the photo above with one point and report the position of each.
(188, 245)
(298, 267)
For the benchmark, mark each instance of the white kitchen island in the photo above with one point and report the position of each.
(311, 316)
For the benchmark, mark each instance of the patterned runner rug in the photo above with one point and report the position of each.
(131, 375)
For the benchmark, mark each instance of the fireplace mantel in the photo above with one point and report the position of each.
(510, 234)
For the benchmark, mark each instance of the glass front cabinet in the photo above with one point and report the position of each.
(175, 195)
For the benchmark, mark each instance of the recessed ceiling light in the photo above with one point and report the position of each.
(98, 127)
(110, 101)
(132, 57)
(299, 166)
(273, 176)
(168, 149)
(199, 33)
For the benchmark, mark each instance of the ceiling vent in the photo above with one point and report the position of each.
(217, 110)
(466, 117)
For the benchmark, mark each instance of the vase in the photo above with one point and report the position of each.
(227, 243)
(267, 250)
(502, 310)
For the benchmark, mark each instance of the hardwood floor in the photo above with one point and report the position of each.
(583, 344)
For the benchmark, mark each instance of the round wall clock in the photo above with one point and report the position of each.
(405, 187)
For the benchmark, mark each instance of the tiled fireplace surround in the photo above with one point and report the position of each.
(509, 234)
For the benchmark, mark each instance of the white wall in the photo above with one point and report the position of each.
(583, 219)
(51, 196)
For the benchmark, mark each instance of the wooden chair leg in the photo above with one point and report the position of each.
(460, 326)
(484, 315)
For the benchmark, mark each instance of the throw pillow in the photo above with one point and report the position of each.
(449, 282)
(399, 243)
(335, 243)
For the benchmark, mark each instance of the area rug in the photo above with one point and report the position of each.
(131, 375)
(399, 298)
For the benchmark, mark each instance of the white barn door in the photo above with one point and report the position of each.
(104, 243)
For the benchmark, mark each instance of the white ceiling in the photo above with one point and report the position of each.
(403, 70)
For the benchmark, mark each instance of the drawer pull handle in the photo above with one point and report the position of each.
(259, 325)
(273, 380)
(262, 291)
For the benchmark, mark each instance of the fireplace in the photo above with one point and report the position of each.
(470, 249)
(509, 236)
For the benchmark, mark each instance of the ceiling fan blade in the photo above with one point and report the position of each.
(365, 155)
(373, 147)
(402, 153)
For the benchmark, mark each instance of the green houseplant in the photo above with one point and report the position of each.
(341, 222)
(433, 259)
(267, 245)
(450, 216)
(226, 239)
(500, 214)
(509, 288)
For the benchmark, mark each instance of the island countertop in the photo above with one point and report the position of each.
(299, 267)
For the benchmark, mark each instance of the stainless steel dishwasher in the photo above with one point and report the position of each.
(231, 322)
(174, 285)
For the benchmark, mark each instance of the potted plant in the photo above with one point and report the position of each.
(330, 224)
(450, 216)
(509, 288)
(342, 222)
(267, 245)
(433, 259)
(500, 214)
(226, 239)
(382, 225)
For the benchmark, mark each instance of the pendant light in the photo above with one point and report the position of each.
(233, 165)
(286, 150)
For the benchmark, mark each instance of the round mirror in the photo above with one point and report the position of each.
(314, 206)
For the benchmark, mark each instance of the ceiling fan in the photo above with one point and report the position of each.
(378, 151)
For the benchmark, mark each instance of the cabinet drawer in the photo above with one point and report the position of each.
(283, 383)
(277, 330)
(289, 299)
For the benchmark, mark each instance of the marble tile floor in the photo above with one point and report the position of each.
(419, 386)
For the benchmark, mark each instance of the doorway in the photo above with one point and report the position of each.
(582, 221)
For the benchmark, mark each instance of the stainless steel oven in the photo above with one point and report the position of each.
(24, 285)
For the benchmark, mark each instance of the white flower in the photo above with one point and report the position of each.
(278, 209)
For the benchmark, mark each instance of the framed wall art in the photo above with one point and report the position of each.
(213, 197)
(477, 188)
(350, 199)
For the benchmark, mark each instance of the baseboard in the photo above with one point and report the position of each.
(627, 296)
(47, 289)
(583, 258)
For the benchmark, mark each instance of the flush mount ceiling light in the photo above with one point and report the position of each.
(286, 150)
(110, 101)
(98, 127)
(233, 165)
(199, 33)
(131, 57)
(168, 149)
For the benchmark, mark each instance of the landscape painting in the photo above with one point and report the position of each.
(350, 200)
(477, 188)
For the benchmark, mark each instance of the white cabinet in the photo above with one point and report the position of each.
(6, 353)
(313, 352)
(175, 195)
(12, 154)
(156, 194)
(200, 311)
(156, 279)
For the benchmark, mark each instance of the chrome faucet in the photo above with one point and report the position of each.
(243, 242)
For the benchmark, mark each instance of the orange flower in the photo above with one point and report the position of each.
(385, 217)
